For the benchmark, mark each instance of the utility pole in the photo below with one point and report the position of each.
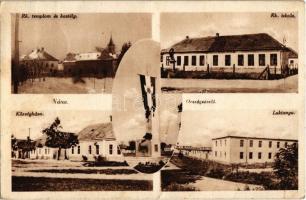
(16, 57)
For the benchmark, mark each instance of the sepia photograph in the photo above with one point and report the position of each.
(229, 52)
(235, 150)
(70, 151)
(72, 53)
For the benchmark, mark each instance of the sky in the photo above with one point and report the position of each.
(175, 27)
(83, 34)
(71, 121)
(198, 128)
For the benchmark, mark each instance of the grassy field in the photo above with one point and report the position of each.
(68, 184)
(87, 171)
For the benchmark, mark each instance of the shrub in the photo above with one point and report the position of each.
(84, 158)
(100, 158)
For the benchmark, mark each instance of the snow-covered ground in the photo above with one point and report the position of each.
(61, 85)
(289, 84)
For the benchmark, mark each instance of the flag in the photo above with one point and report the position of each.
(147, 84)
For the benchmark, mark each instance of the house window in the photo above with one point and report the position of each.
(202, 60)
(225, 142)
(89, 149)
(278, 143)
(259, 155)
(250, 155)
(270, 155)
(241, 155)
(97, 149)
(259, 143)
(193, 60)
(262, 59)
(251, 143)
(45, 151)
(251, 60)
(221, 143)
(186, 60)
(215, 60)
(227, 60)
(118, 150)
(179, 60)
(156, 148)
(286, 144)
(110, 149)
(216, 154)
(240, 60)
(167, 60)
(241, 143)
(273, 59)
(216, 143)
(72, 150)
(270, 144)
(79, 150)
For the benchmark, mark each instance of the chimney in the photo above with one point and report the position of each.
(217, 34)
(187, 37)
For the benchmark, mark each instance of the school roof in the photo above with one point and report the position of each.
(255, 138)
(96, 132)
(228, 43)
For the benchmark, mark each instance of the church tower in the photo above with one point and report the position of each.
(111, 46)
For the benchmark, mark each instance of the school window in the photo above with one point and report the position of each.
(118, 150)
(270, 155)
(45, 151)
(259, 155)
(167, 60)
(186, 60)
(72, 150)
(221, 143)
(97, 149)
(273, 59)
(278, 143)
(262, 59)
(286, 144)
(202, 60)
(250, 155)
(89, 149)
(225, 142)
(179, 60)
(216, 143)
(110, 149)
(241, 155)
(260, 144)
(79, 150)
(215, 60)
(251, 143)
(251, 60)
(227, 60)
(156, 148)
(270, 144)
(193, 60)
(216, 154)
(240, 60)
(241, 143)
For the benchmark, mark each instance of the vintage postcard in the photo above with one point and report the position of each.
(152, 100)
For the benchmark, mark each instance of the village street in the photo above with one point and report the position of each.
(289, 84)
(61, 85)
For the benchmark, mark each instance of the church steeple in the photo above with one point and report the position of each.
(111, 45)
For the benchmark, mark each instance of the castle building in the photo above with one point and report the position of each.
(247, 150)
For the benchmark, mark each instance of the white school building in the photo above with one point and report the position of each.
(247, 150)
(249, 53)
